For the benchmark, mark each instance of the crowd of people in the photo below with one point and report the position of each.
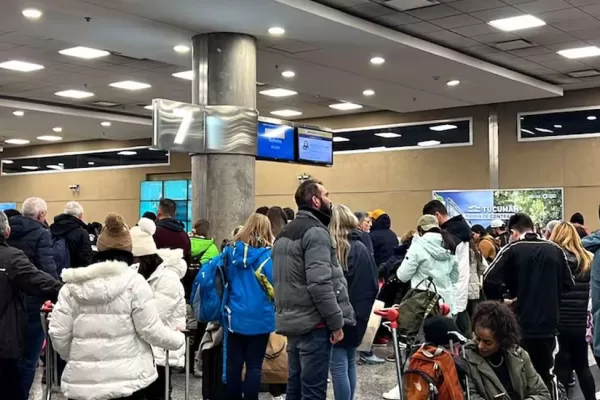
(303, 281)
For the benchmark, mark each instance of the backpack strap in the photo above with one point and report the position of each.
(264, 281)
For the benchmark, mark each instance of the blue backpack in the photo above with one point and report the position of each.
(61, 254)
(209, 291)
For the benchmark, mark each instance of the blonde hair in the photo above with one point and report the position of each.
(407, 237)
(565, 235)
(343, 221)
(256, 232)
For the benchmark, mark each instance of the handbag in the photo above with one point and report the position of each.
(416, 306)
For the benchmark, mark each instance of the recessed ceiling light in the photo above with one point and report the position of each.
(278, 92)
(130, 85)
(74, 94)
(441, 128)
(17, 141)
(56, 167)
(528, 131)
(388, 135)
(18, 113)
(345, 106)
(586, 73)
(338, 139)
(453, 82)
(517, 23)
(87, 53)
(105, 103)
(378, 148)
(288, 74)
(91, 163)
(276, 31)
(580, 52)
(21, 66)
(30, 167)
(61, 164)
(592, 117)
(558, 126)
(57, 129)
(189, 75)
(544, 130)
(377, 60)
(8, 162)
(286, 113)
(49, 138)
(105, 123)
(32, 13)
(149, 107)
(368, 92)
(127, 153)
(182, 49)
(429, 143)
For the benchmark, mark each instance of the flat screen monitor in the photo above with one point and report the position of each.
(8, 206)
(275, 142)
(315, 146)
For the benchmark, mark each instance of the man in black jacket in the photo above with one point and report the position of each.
(70, 227)
(532, 273)
(17, 276)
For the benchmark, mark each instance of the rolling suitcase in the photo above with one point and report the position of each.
(213, 387)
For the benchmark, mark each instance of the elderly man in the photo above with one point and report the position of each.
(71, 240)
(29, 234)
(17, 276)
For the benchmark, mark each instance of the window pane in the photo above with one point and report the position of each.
(151, 190)
(560, 124)
(176, 190)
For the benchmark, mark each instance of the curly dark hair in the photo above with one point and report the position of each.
(500, 319)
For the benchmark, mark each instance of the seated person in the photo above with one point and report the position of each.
(498, 367)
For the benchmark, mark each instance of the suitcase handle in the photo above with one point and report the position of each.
(187, 368)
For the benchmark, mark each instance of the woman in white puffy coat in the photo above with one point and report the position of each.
(163, 269)
(105, 321)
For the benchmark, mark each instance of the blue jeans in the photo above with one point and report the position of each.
(249, 350)
(343, 372)
(308, 359)
(35, 339)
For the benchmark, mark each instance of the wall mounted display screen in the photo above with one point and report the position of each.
(315, 146)
(177, 190)
(8, 206)
(275, 142)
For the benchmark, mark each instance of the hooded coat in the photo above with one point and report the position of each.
(75, 233)
(461, 233)
(427, 258)
(170, 234)
(384, 239)
(103, 325)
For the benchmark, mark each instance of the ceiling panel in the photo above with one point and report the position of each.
(542, 6)
(468, 6)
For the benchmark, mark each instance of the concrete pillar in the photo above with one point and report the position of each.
(224, 66)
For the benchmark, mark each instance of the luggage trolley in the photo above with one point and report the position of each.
(188, 335)
(391, 315)
(51, 360)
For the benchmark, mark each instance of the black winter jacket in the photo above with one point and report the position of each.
(365, 238)
(574, 304)
(74, 231)
(18, 276)
(384, 239)
(362, 290)
(33, 239)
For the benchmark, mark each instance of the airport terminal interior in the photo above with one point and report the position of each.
(224, 106)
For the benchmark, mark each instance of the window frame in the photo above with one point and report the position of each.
(520, 138)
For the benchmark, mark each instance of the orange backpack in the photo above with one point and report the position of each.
(432, 375)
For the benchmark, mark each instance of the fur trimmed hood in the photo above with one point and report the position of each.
(98, 283)
(173, 260)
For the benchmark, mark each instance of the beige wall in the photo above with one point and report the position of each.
(400, 182)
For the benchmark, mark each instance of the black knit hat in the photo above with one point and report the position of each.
(436, 330)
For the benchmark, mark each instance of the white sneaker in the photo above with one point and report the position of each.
(393, 394)
(278, 398)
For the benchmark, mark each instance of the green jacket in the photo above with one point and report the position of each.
(485, 385)
(203, 249)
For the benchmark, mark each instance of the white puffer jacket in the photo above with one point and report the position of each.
(102, 325)
(169, 297)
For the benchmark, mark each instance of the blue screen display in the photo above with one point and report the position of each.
(176, 190)
(151, 190)
(8, 206)
(315, 146)
(275, 141)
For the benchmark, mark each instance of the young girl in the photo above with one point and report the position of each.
(163, 270)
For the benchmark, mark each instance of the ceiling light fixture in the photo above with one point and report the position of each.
(288, 74)
(127, 153)
(558, 126)
(517, 23)
(278, 92)
(189, 75)
(74, 94)
(429, 143)
(379, 148)
(30, 167)
(286, 113)
(87, 53)
(91, 163)
(368, 92)
(388, 135)
(182, 49)
(57, 129)
(21, 66)
(49, 138)
(544, 130)
(345, 106)
(441, 128)
(338, 139)
(32, 13)
(453, 82)
(276, 31)
(105, 123)
(528, 131)
(17, 141)
(377, 60)
(56, 167)
(580, 52)
(149, 107)
(105, 103)
(8, 162)
(18, 113)
(130, 85)
(592, 118)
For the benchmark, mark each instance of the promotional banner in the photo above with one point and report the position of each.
(483, 206)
